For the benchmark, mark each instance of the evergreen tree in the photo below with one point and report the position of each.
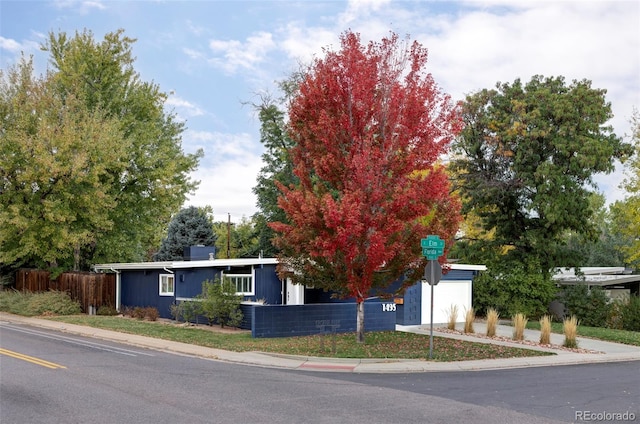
(526, 162)
(191, 226)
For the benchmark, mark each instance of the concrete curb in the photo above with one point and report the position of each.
(611, 352)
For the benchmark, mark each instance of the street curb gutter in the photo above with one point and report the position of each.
(315, 364)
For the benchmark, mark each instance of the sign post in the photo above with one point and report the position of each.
(432, 248)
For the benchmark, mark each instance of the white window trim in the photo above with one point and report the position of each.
(171, 293)
(253, 281)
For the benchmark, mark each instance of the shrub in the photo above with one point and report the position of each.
(545, 330)
(631, 314)
(52, 302)
(570, 330)
(590, 306)
(107, 310)
(31, 304)
(138, 312)
(151, 313)
(519, 322)
(186, 311)
(176, 311)
(13, 301)
(220, 303)
(492, 321)
(191, 310)
(469, 317)
(513, 288)
(452, 317)
(616, 309)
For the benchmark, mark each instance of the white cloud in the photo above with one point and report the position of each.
(16, 47)
(10, 45)
(359, 9)
(475, 46)
(183, 107)
(303, 43)
(82, 7)
(231, 55)
(227, 173)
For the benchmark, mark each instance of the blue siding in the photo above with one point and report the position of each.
(409, 313)
(189, 281)
(141, 288)
(456, 274)
(302, 320)
(267, 285)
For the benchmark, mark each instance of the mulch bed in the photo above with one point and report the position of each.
(520, 342)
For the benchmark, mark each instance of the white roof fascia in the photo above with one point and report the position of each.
(466, 267)
(132, 266)
(225, 262)
(599, 280)
(185, 264)
(590, 270)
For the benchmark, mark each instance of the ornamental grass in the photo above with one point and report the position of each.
(492, 321)
(545, 330)
(519, 322)
(570, 330)
(469, 317)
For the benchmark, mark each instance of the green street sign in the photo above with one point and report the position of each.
(432, 247)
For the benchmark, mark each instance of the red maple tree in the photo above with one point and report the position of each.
(369, 126)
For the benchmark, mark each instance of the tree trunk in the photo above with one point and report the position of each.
(360, 322)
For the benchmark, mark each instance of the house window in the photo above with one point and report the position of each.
(167, 286)
(243, 283)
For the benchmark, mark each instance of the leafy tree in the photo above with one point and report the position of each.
(368, 125)
(186, 310)
(240, 239)
(220, 303)
(190, 227)
(57, 165)
(153, 185)
(590, 305)
(513, 288)
(627, 212)
(604, 250)
(277, 166)
(527, 156)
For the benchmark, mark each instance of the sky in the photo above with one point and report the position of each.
(215, 58)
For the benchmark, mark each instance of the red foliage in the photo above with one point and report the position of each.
(369, 126)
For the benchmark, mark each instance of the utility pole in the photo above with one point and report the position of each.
(229, 236)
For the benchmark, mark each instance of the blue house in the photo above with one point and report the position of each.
(272, 307)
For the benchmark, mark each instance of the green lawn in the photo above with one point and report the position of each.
(606, 334)
(389, 344)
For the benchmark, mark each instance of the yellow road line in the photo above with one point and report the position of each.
(31, 359)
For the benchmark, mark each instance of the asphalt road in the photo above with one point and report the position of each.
(90, 381)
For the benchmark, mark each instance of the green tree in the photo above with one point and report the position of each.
(277, 166)
(220, 303)
(153, 185)
(57, 164)
(627, 212)
(190, 227)
(237, 240)
(513, 288)
(369, 125)
(526, 160)
(604, 249)
(589, 304)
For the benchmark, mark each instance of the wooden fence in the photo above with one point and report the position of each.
(90, 289)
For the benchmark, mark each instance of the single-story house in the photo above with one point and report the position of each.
(273, 307)
(617, 282)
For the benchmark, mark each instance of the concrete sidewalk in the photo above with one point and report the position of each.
(606, 351)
